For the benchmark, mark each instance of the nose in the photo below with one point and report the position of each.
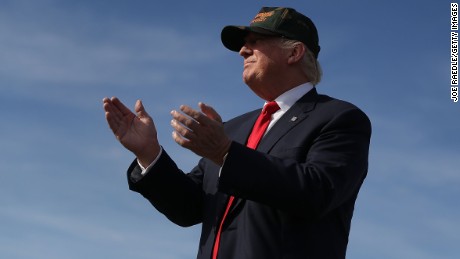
(245, 51)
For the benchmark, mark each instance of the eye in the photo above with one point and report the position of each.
(253, 41)
(250, 41)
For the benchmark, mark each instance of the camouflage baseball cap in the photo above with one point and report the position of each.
(276, 21)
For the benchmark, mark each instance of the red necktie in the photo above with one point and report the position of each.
(257, 133)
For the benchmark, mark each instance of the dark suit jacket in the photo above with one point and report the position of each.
(295, 194)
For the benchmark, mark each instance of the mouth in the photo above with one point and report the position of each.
(247, 63)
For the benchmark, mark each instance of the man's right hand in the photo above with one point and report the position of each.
(136, 132)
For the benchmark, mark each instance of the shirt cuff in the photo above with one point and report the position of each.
(146, 170)
(225, 158)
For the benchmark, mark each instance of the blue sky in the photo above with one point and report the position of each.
(63, 191)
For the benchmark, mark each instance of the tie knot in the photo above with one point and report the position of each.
(271, 107)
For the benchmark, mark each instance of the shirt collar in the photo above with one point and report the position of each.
(290, 97)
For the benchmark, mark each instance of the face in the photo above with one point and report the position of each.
(264, 59)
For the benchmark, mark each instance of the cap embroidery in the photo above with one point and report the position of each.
(260, 17)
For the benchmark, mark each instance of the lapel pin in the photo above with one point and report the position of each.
(294, 118)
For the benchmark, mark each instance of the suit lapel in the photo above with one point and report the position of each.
(293, 117)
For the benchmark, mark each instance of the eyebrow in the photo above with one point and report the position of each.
(259, 37)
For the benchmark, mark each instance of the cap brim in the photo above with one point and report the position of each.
(233, 36)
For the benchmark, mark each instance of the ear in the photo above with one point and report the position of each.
(296, 53)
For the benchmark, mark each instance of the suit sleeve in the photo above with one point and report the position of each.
(177, 195)
(329, 173)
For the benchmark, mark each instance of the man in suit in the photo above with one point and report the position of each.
(288, 195)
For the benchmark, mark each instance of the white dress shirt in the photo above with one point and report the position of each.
(287, 100)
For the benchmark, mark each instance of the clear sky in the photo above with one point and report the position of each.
(63, 190)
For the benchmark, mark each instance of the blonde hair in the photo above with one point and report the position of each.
(310, 65)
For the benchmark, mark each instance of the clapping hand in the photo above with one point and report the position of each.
(201, 132)
(136, 132)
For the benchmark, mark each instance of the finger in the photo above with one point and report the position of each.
(195, 115)
(112, 109)
(107, 104)
(120, 106)
(119, 111)
(180, 140)
(210, 112)
(112, 113)
(105, 100)
(182, 130)
(140, 109)
(118, 116)
(185, 120)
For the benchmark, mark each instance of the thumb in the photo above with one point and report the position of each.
(140, 110)
(210, 112)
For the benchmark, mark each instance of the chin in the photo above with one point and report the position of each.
(249, 78)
